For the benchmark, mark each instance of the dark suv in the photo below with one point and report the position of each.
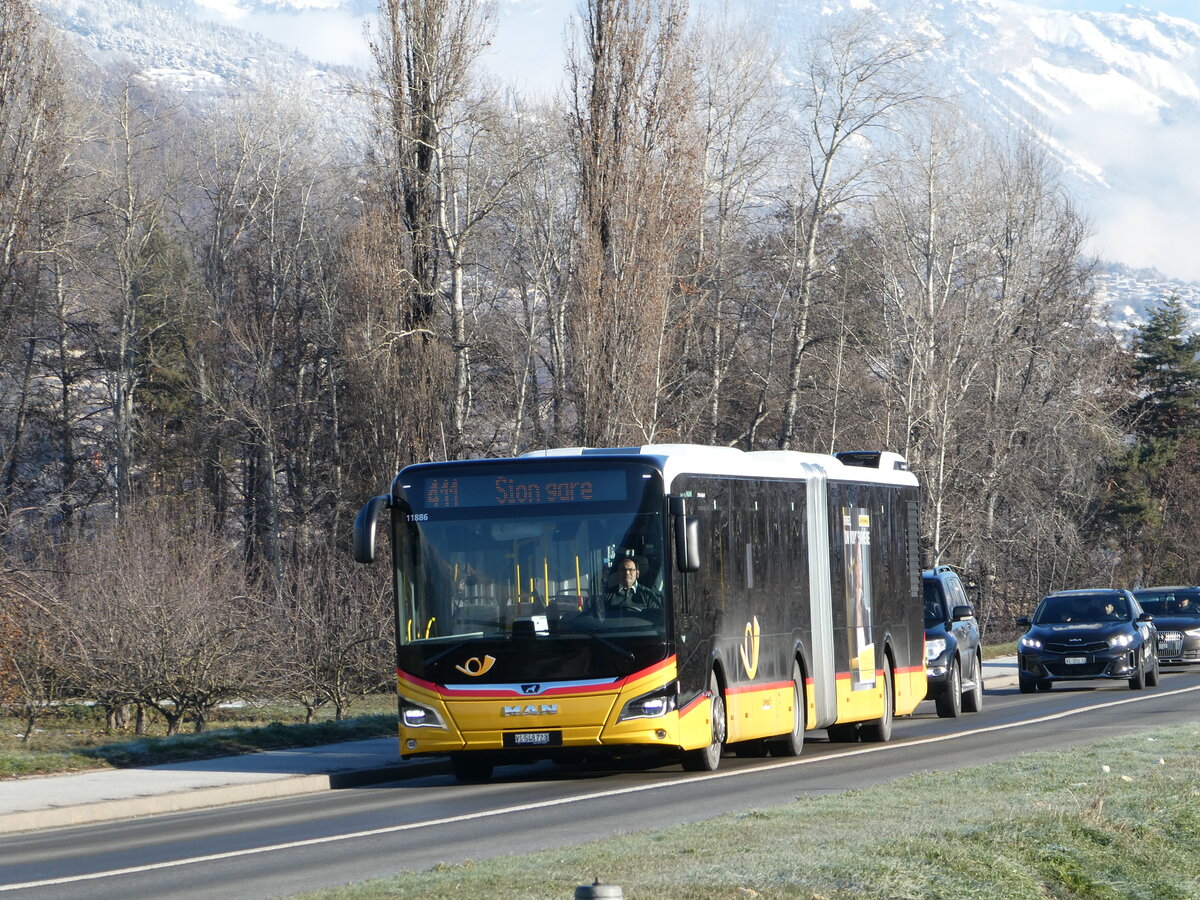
(953, 660)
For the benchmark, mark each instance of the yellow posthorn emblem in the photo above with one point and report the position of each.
(476, 666)
(749, 648)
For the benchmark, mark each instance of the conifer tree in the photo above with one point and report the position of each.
(1144, 514)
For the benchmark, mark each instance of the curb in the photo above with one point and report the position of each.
(202, 798)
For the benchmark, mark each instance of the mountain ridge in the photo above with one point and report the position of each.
(1120, 91)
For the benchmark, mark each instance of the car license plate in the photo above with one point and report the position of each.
(533, 739)
(1076, 660)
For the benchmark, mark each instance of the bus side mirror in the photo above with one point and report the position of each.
(364, 528)
(687, 538)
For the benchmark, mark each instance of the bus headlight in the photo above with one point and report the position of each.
(413, 715)
(650, 706)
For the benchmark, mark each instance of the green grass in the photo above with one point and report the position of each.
(1046, 825)
(994, 651)
(72, 738)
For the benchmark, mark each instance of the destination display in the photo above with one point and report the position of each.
(509, 490)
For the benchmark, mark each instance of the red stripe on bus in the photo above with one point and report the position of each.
(485, 694)
(755, 688)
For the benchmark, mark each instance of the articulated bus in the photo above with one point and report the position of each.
(780, 593)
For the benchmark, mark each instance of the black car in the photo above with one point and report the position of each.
(953, 661)
(1176, 612)
(1093, 633)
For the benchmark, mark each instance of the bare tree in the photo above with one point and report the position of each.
(134, 182)
(990, 358)
(634, 130)
(36, 147)
(532, 250)
(33, 671)
(326, 639)
(854, 81)
(742, 108)
(424, 50)
(160, 615)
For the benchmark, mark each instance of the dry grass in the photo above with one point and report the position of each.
(1118, 819)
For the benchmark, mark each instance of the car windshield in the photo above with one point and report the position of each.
(935, 608)
(1082, 608)
(1170, 603)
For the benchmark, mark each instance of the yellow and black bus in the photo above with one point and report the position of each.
(686, 598)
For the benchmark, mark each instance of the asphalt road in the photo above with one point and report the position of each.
(281, 847)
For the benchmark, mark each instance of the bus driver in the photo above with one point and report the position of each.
(628, 597)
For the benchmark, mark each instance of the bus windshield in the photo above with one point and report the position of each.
(577, 564)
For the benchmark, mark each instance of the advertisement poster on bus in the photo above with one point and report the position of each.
(856, 530)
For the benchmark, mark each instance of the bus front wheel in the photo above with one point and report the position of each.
(706, 759)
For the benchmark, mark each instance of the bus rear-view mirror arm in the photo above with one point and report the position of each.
(364, 527)
(687, 537)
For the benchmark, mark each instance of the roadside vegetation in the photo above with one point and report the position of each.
(72, 737)
(1115, 819)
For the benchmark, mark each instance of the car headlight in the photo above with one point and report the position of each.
(1194, 633)
(414, 715)
(1120, 640)
(650, 706)
(934, 648)
(1030, 643)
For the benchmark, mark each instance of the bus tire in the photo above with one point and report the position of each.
(471, 767)
(706, 759)
(880, 730)
(792, 744)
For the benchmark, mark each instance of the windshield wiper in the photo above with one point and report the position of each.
(626, 653)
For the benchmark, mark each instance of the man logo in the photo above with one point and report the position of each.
(531, 689)
(545, 709)
(476, 666)
(749, 649)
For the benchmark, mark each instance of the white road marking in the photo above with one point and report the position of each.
(597, 795)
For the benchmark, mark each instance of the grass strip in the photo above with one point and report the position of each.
(1115, 819)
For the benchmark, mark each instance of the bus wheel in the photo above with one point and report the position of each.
(471, 766)
(706, 759)
(792, 744)
(880, 730)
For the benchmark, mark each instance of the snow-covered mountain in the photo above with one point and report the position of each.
(192, 47)
(1117, 98)
(1116, 95)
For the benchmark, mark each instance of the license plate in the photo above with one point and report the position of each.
(533, 739)
(1076, 660)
